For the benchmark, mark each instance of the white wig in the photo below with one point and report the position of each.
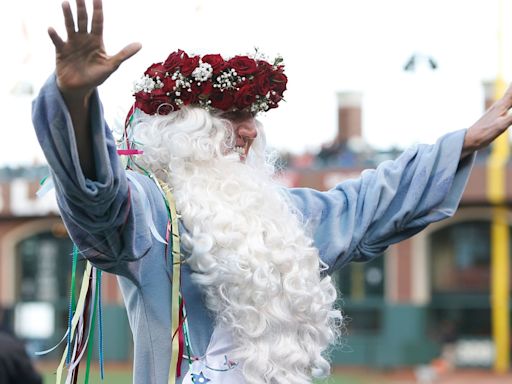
(248, 248)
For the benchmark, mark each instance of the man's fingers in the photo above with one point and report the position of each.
(81, 16)
(507, 97)
(97, 18)
(57, 41)
(68, 18)
(126, 53)
(507, 119)
(505, 102)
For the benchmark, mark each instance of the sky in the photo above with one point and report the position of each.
(327, 46)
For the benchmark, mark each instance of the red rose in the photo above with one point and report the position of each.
(142, 102)
(160, 102)
(142, 96)
(169, 84)
(280, 68)
(243, 65)
(173, 61)
(187, 97)
(222, 100)
(163, 107)
(144, 107)
(275, 98)
(216, 61)
(202, 90)
(156, 70)
(279, 81)
(262, 83)
(188, 65)
(262, 78)
(264, 66)
(158, 92)
(155, 102)
(245, 96)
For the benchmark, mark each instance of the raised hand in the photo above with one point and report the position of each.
(81, 65)
(496, 120)
(82, 62)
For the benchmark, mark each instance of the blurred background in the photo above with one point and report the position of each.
(366, 80)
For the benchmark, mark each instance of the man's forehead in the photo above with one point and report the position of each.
(237, 115)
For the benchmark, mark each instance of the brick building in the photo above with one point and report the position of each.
(426, 291)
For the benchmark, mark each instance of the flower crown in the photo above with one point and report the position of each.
(241, 83)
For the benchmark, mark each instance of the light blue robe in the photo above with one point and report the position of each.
(107, 218)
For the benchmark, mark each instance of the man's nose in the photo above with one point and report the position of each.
(247, 129)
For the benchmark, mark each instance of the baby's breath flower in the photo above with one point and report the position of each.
(203, 72)
(146, 84)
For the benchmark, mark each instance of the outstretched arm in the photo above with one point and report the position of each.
(106, 218)
(359, 218)
(81, 65)
(493, 123)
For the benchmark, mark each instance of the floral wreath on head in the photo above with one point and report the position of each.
(241, 83)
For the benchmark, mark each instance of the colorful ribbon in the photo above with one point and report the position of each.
(175, 289)
(129, 152)
(76, 317)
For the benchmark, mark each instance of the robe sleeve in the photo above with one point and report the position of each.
(358, 219)
(105, 217)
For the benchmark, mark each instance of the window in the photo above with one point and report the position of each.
(359, 281)
(362, 294)
(461, 278)
(44, 263)
(460, 257)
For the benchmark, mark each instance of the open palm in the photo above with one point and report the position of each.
(82, 62)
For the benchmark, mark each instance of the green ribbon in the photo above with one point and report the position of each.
(72, 303)
(91, 328)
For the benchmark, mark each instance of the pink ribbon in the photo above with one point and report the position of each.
(128, 152)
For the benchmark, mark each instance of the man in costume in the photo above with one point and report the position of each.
(254, 263)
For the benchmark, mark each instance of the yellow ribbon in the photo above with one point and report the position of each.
(79, 309)
(176, 266)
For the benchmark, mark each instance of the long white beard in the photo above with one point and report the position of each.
(258, 269)
(249, 253)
